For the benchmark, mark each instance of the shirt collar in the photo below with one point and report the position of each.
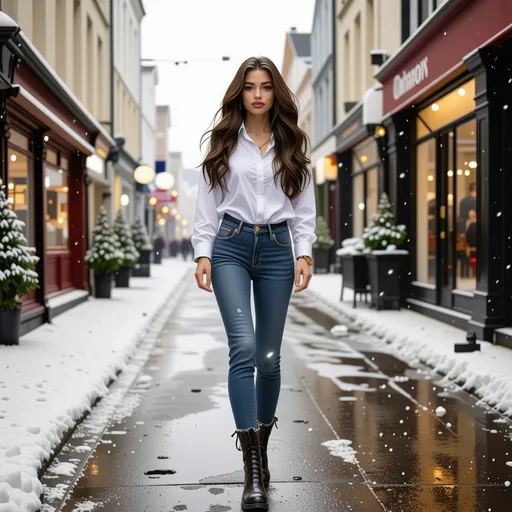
(243, 131)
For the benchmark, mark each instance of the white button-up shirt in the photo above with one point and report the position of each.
(252, 196)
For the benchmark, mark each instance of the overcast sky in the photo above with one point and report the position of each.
(197, 30)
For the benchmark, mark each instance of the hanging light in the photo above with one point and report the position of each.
(153, 201)
(144, 174)
(164, 180)
(125, 200)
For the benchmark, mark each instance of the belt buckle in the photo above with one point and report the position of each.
(257, 228)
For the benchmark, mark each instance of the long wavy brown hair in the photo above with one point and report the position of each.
(291, 143)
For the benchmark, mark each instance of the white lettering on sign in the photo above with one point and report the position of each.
(402, 84)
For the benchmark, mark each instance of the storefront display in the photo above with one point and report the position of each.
(445, 99)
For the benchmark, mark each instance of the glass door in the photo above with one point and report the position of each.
(446, 232)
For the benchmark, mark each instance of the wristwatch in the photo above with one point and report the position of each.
(307, 258)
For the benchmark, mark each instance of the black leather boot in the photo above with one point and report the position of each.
(265, 431)
(254, 496)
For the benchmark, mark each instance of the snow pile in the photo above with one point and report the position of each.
(342, 448)
(54, 376)
(416, 338)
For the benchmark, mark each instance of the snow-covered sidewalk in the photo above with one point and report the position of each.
(417, 338)
(52, 378)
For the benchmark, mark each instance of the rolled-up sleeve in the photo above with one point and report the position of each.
(304, 225)
(206, 222)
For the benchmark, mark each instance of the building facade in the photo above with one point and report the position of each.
(297, 73)
(366, 32)
(46, 137)
(445, 103)
(73, 37)
(126, 104)
(148, 137)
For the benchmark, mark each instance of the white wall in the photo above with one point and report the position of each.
(126, 26)
(148, 115)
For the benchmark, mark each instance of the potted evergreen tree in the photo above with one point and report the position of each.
(322, 246)
(104, 257)
(386, 263)
(17, 271)
(143, 245)
(127, 246)
(158, 245)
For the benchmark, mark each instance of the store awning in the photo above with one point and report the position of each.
(47, 117)
(372, 106)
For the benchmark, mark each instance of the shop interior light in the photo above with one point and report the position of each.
(381, 131)
(435, 107)
(178, 216)
(144, 174)
(60, 220)
(450, 173)
(459, 172)
(14, 158)
(330, 168)
(467, 172)
(65, 189)
(174, 211)
(46, 138)
(430, 177)
(125, 200)
(161, 222)
(164, 180)
(10, 186)
(174, 193)
(153, 201)
(47, 181)
(165, 210)
(473, 164)
(462, 91)
(184, 222)
(363, 159)
(361, 206)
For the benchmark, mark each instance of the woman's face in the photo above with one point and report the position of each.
(258, 93)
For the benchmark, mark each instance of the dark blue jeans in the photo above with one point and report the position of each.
(262, 254)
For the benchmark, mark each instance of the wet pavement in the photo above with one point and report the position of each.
(358, 430)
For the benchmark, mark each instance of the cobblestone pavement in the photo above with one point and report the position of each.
(359, 430)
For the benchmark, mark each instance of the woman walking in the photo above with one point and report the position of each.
(256, 178)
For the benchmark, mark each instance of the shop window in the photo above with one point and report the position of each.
(366, 155)
(365, 178)
(446, 110)
(426, 242)
(20, 190)
(465, 212)
(358, 204)
(57, 195)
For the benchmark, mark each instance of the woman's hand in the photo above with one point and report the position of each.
(204, 267)
(303, 269)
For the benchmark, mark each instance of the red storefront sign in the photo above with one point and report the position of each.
(163, 196)
(437, 53)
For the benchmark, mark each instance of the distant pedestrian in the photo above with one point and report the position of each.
(256, 178)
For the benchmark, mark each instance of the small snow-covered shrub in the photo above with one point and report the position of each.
(383, 232)
(17, 260)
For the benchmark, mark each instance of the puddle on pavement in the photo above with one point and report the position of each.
(392, 423)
